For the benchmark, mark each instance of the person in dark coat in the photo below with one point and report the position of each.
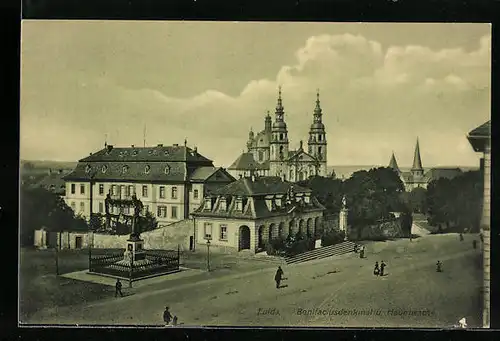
(167, 316)
(118, 288)
(439, 266)
(376, 270)
(278, 277)
(362, 252)
(382, 267)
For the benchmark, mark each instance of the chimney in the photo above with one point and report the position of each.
(175, 145)
(109, 147)
(160, 145)
(132, 146)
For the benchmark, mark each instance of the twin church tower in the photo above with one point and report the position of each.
(268, 152)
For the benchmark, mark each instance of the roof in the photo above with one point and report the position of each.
(393, 163)
(484, 130)
(448, 173)
(159, 153)
(259, 186)
(479, 136)
(417, 161)
(53, 182)
(246, 161)
(409, 178)
(203, 174)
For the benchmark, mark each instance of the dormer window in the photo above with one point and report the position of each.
(134, 153)
(165, 152)
(223, 204)
(121, 154)
(278, 202)
(167, 170)
(124, 169)
(147, 169)
(307, 199)
(104, 168)
(239, 204)
(88, 168)
(208, 203)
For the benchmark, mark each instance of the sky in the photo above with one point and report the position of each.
(381, 86)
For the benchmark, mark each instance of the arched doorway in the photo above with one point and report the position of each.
(244, 238)
(260, 240)
(281, 227)
(272, 232)
(301, 226)
(317, 226)
(291, 227)
(310, 229)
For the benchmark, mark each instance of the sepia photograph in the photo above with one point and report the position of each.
(254, 174)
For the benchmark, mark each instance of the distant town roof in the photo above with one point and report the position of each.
(258, 186)
(448, 173)
(246, 161)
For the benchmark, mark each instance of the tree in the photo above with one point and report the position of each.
(372, 195)
(417, 200)
(456, 202)
(327, 190)
(42, 208)
(147, 222)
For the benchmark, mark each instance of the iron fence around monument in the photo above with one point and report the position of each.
(157, 262)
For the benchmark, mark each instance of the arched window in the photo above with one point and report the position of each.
(147, 169)
(261, 155)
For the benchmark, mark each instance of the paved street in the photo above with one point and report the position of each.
(343, 292)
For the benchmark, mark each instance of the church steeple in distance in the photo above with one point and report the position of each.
(317, 136)
(393, 163)
(279, 133)
(417, 168)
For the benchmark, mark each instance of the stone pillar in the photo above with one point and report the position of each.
(343, 221)
(486, 231)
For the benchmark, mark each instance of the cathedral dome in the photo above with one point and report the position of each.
(281, 125)
(317, 125)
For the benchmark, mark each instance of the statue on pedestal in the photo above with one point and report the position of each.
(138, 207)
(344, 203)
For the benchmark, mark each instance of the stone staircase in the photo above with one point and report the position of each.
(322, 252)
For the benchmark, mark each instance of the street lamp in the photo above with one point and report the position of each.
(208, 255)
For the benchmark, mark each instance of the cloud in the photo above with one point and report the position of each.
(399, 93)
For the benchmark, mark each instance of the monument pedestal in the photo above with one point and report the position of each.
(136, 247)
(343, 222)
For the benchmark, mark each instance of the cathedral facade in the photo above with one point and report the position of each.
(269, 154)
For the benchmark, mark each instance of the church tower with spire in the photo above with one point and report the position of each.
(394, 164)
(417, 170)
(317, 145)
(279, 144)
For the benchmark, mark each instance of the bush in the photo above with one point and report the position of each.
(290, 246)
(332, 238)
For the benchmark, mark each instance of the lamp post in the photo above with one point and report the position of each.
(208, 255)
(91, 221)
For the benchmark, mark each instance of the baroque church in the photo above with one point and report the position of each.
(269, 154)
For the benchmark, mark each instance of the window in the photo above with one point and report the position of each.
(126, 210)
(195, 194)
(162, 192)
(144, 191)
(145, 209)
(319, 137)
(223, 204)
(162, 211)
(73, 206)
(261, 155)
(167, 170)
(174, 212)
(113, 189)
(104, 169)
(174, 192)
(101, 189)
(82, 189)
(122, 191)
(223, 232)
(82, 206)
(73, 188)
(147, 169)
(101, 207)
(239, 205)
(131, 190)
(208, 203)
(281, 136)
(208, 231)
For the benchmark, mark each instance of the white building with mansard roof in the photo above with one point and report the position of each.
(247, 213)
(171, 181)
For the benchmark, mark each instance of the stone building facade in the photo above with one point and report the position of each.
(170, 181)
(269, 154)
(249, 212)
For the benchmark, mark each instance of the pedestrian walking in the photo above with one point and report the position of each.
(376, 270)
(167, 316)
(439, 266)
(461, 237)
(362, 252)
(382, 267)
(118, 288)
(278, 277)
